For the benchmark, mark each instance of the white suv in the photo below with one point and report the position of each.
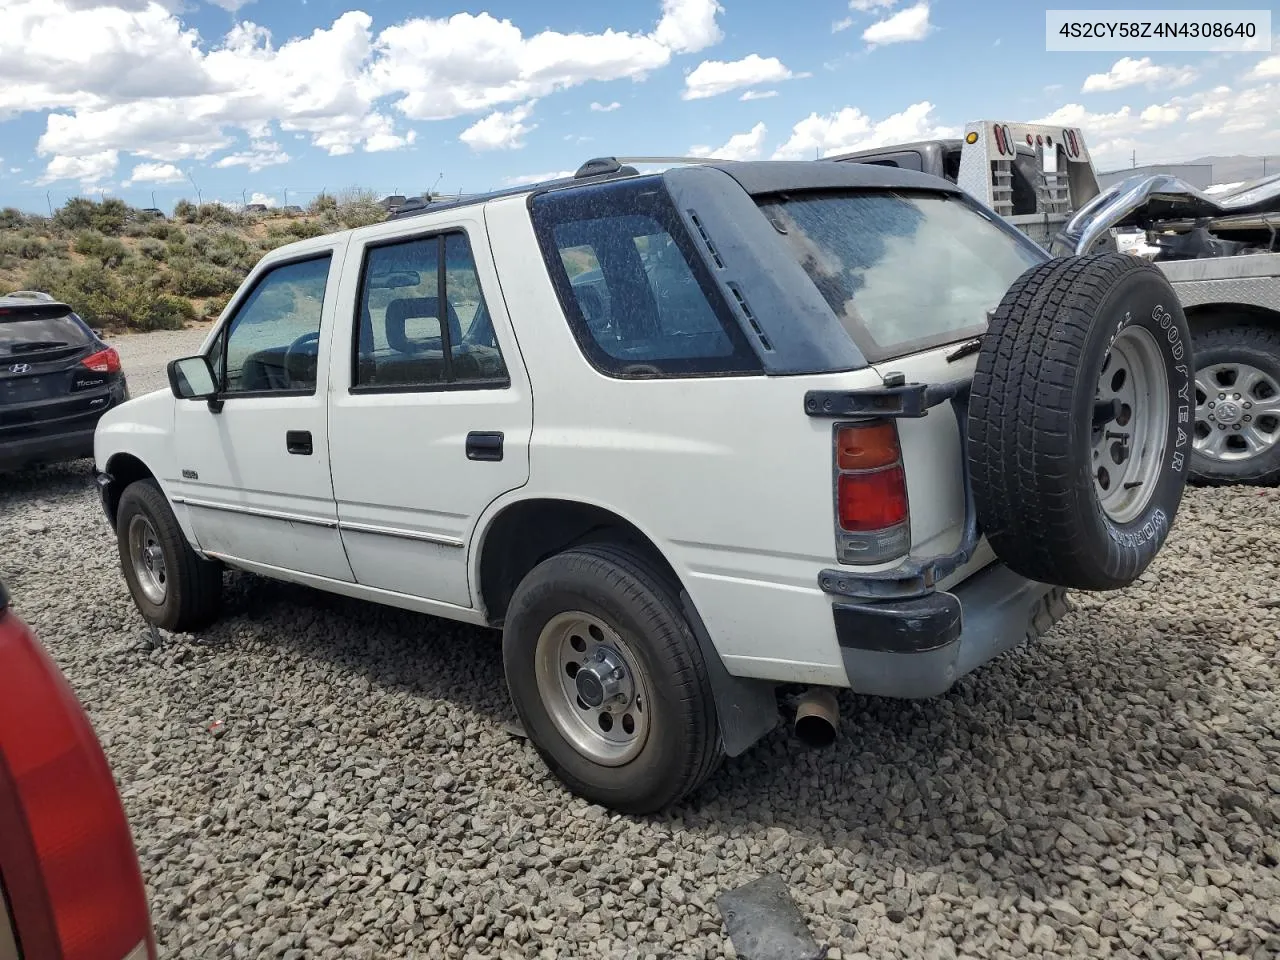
(688, 438)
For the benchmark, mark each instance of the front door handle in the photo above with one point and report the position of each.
(483, 445)
(298, 442)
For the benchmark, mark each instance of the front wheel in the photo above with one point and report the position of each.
(609, 681)
(172, 587)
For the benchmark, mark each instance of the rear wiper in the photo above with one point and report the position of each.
(966, 349)
(21, 346)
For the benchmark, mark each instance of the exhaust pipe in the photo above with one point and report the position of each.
(817, 716)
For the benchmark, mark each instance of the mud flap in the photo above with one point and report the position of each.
(746, 708)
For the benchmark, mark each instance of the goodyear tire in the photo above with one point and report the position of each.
(1081, 420)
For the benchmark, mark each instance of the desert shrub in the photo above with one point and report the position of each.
(217, 213)
(163, 230)
(110, 216)
(224, 248)
(212, 308)
(185, 211)
(193, 278)
(152, 249)
(321, 204)
(107, 250)
(11, 218)
(75, 214)
(294, 230)
(103, 299)
(25, 246)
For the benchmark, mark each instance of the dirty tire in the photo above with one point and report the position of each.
(1257, 347)
(194, 585)
(620, 587)
(1031, 440)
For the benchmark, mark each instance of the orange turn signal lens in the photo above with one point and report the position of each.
(867, 448)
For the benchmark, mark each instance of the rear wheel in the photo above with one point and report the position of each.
(1237, 435)
(171, 586)
(1080, 421)
(609, 681)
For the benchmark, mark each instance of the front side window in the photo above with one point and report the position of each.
(423, 320)
(632, 286)
(902, 271)
(273, 341)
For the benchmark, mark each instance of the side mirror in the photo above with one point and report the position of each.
(191, 378)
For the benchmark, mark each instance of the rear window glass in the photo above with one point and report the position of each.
(902, 272)
(19, 335)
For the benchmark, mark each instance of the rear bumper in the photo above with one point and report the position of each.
(919, 647)
(46, 448)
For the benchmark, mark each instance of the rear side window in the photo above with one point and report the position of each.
(407, 289)
(26, 333)
(635, 291)
(902, 272)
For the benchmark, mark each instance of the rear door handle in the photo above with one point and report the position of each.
(484, 445)
(298, 442)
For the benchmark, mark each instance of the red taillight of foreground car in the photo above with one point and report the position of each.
(104, 361)
(66, 854)
(871, 493)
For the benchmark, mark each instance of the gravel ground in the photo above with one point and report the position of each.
(318, 777)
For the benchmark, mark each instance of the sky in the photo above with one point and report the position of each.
(274, 101)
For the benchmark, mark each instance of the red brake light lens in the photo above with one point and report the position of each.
(872, 501)
(104, 361)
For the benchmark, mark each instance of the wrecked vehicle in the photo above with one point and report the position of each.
(1220, 252)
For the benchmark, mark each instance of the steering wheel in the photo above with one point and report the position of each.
(294, 351)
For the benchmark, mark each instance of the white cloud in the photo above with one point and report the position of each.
(526, 178)
(1128, 72)
(904, 26)
(264, 199)
(741, 146)
(842, 25)
(89, 170)
(263, 153)
(443, 68)
(231, 6)
(758, 95)
(1159, 116)
(714, 77)
(129, 75)
(381, 142)
(866, 6)
(688, 26)
(605, 107)
(155, 173)
(1269, 67)
(850, 129)
(500, 130)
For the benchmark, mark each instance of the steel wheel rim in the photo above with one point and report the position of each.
(1128, 449)
(1237, 412)
(577, 652)
(148, 560)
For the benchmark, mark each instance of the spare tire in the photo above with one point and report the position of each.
(1080, 421)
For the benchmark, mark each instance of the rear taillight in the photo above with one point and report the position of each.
(70, 871)
(871, 494)
(104, 361)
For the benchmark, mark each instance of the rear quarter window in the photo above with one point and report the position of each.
(635, 291)
(902, 271)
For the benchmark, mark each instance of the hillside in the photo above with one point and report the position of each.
(122, 268)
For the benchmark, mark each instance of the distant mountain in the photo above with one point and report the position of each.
(1239, 167)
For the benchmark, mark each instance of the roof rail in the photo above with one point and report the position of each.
(604, 166)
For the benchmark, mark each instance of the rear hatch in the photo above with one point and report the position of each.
(911, 276)
(44, 382)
